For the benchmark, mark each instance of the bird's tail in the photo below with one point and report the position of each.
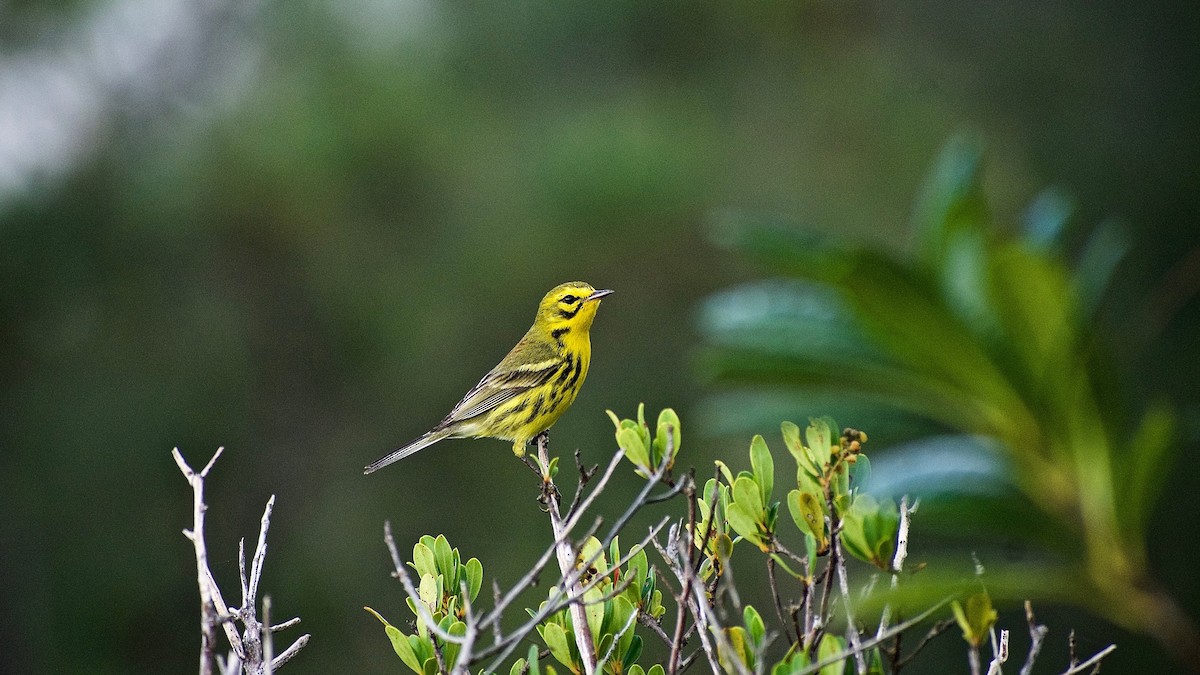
(396, 455)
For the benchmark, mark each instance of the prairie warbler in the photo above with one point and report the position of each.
(531, 387)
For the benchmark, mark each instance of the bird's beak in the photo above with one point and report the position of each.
(596, 295)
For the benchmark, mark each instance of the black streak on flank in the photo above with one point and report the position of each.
(537, 409)
(576, 374)
(571, 365)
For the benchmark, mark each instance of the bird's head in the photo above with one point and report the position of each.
(568, 308)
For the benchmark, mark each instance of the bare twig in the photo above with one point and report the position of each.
(851, 627)
(906, 512)
(685, 555)
(566, 564)
(252, 649)
(999, 652)
(1037, 634)
(1093, 661)
(936, 630)
(875, 641)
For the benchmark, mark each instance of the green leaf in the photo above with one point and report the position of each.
(591, 550)
(860, 472)
(630, 441)
(739, 649)
(632, 646)
(830, 646)
(754, 624)
(444, 556)
(450, 650)
(763, 467)
(474, 572)
(748, 496)
(560, 647)
(819, 436)
(399, 642)
(595, 610)
(975, 617)
(808, 514)
(424, 561)
(875, 663)
(951, 200)
(1149, 456)
(668, 427)
(744, 524)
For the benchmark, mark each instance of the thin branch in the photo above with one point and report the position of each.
(505, 647)
(492, 618)
(677, 639)
(934, 631)
(1037, 635)
(1095, 660)
(617, 639)
(291, 651)
(999, 652)
(252, 650)
(851, 627)
(906, 512)
(566, 561)
(402, 574)
(875, 641)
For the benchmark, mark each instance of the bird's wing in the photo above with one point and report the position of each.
(501, 384)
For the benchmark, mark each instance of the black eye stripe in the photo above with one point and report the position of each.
(569, 299)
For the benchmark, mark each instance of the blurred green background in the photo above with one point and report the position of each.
(302, 230)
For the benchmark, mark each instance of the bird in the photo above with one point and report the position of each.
(531, 387)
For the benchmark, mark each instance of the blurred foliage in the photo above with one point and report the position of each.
(989, 334)
(307, 247)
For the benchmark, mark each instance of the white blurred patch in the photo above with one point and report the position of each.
(127, 58)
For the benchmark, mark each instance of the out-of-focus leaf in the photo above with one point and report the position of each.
(906, 318)
(951, 199)
(1046, 219)
(1105, 248)
(941, 464)
(1032, 294)
(786, 317)
(790, 249)
(860, 474)
(975, 616)
(1148, 462)
(831, 645)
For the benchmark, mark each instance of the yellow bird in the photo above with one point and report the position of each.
(531, 387)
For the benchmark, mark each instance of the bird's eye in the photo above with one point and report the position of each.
(568, 299)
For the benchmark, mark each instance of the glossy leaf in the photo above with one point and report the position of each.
(763, 467)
